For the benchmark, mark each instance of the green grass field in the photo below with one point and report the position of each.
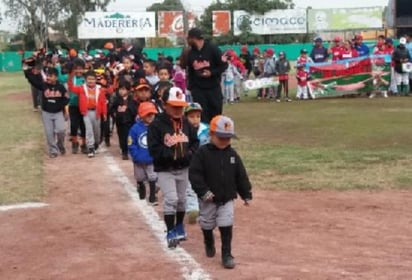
(340, 144)
(334, 144)
(21, 143)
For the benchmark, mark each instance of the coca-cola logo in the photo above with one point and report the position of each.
(178, 25)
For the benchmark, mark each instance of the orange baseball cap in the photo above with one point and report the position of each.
(146, 108)
(142, 83)
(223, 126)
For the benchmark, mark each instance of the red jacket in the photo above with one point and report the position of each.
(302, 76)
(81, 91)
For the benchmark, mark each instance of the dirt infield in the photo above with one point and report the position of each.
(91, 230)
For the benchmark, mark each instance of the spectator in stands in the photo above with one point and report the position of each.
(336, 49)
(348, 51)
(361, 48)
(134, 52)
(319, 53)
(400, 57)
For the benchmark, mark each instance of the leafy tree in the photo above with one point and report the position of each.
(252, 6)
(36, 16)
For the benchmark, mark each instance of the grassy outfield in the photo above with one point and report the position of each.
(341, 144)
(21, 143)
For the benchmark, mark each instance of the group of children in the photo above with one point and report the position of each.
(161, 132)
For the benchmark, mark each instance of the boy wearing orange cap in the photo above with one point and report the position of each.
(218, 175)
(138, 149)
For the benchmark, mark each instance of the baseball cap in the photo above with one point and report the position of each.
(337, 39)
(195, 33)
(270, 52)
(142, 83)
(318, 39)
(359, 37)
(389, 41)
(244, 48)
(402, 41)
(223, 126)
(193, 107)
(146, 108)
(303, 51)
(175, 97)
(256, 50)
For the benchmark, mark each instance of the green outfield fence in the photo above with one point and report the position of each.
(11, 61)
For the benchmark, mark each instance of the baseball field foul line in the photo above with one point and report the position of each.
(191, 270)
(23, 206)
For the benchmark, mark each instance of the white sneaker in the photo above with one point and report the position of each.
(372, 95)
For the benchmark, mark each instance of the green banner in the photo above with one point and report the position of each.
(345, 19)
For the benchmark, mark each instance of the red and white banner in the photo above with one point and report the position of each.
(170, 23)
(221, 22)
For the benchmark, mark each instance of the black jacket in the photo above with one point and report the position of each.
(177, 156)
(209, 57)
(221, 172)
(54, 96)
(124, 118)
(398, 56)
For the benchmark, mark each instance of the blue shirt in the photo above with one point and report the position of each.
(362, 49)
(137, 143)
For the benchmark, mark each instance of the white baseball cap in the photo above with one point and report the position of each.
(402, 41)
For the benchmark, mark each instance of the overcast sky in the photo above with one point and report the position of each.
(200, 5)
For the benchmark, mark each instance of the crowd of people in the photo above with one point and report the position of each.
(176, 144)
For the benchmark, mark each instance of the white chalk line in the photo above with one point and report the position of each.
(191, 270)
(25, 205)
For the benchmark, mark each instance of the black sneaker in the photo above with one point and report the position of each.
(84, 149)
(142, 191)
(228, 262)
(75, 147)
(210, 250)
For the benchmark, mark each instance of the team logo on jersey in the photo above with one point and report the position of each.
(129, 141)
(232, 160)
(143, 140)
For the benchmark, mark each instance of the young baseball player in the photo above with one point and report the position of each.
(76, 118)
(92, 105)
(142, 161)
(124, 110)
(282, 68)
(172, 142)
(193, 114)
(54, 98)
(302, 77)
(217, 175)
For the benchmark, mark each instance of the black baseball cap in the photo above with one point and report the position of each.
(195, 33)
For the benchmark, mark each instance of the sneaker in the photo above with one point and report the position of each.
(53, 155)
(107, 142)
(288, 100)
(172, 240)
(210, 250)
(228, 261)
(192, 216)
(278, 100)
(372, 95)
(84, 149)
(75, 147)
(180, 232)
(90, 153)
(153, 202)
(142, 191)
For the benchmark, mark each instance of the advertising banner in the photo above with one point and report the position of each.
(345, 19)
(102, 25)
(170, 23)
(221, 22)
(272, 22)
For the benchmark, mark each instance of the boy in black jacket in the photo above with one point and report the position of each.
(125, 111)
(172, 142)
(54, 98)
(217, 175)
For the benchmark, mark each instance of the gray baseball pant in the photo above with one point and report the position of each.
(173, 185)
(143, 172)
(54, 127)
(213, 215)
(92, 125)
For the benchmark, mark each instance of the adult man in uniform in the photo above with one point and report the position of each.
(205, 64)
